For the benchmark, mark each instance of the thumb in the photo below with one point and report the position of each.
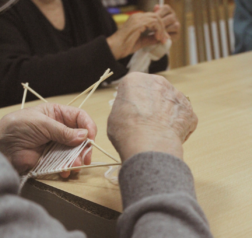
(65, 135)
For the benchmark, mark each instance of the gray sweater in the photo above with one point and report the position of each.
(158, 200)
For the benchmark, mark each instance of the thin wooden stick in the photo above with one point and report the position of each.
(103, 151)
(92, 166)
(103, 77)
(24, 96)
(83, 93)
(33, 92)
(86, 91)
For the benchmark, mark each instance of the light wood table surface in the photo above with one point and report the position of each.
(219, 153)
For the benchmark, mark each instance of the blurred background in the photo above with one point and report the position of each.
(206, 27)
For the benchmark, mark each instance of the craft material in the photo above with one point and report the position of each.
(33, 92)
(58, 158)
(24, 96)
(103, 77)
(87, 90)
(141, 60)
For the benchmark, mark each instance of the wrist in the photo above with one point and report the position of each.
(114, 46)
(144, 143)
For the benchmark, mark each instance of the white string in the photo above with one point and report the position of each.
(58, 159)
(109, 175)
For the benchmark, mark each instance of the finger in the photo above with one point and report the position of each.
(158, 27)
(169, 20)
(76, 163)
(71, 117)
(156, 7)
(62, 134)
(148, 41)
(149, 21)
(87, 159)
(78, 118)
(174, 28)
(165, 10)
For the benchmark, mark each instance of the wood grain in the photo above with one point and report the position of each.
(219, 153)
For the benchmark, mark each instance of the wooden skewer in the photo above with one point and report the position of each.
(105, 76)
(92, 166)
(83, 93)
(188, 99)
(161, 3)
(86, 91)
(103, 151)
(33, 92)
(24, 96)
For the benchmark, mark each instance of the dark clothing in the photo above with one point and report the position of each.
(243, 26)
(158, 200)
(57, 62)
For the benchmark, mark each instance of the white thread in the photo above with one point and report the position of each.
(109, 175)
(57, 158)
(111, 102)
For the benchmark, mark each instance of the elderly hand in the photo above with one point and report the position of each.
(149, 114)
(129, 38)
(171, 23)
(25, 133)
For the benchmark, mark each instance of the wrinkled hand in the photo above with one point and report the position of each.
(25, 133)
(130, 37)
(149, 114)
(169, 18)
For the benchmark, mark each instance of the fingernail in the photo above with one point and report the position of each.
(82, 134)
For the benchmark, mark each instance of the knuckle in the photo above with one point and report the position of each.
(167, 7)
(196, 119)
(66, 133)
(177, 25)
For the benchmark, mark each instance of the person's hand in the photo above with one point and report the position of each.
(168, 16)
(130, 37)
(149, 114)
(25, 133)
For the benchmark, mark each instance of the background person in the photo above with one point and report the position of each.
(243, 26)
(148, 124)
(64, 46)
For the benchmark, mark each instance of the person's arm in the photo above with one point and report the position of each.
(22, 218)
(149, 122)
(159, 199)
(52, 74)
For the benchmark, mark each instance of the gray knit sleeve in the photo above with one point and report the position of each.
(159, 199)
(22, 218)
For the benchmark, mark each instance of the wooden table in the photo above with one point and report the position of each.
(219, 154)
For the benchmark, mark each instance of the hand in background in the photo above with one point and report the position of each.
(171, 23)
(25, 133)
(149, 114)
(129, 38)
